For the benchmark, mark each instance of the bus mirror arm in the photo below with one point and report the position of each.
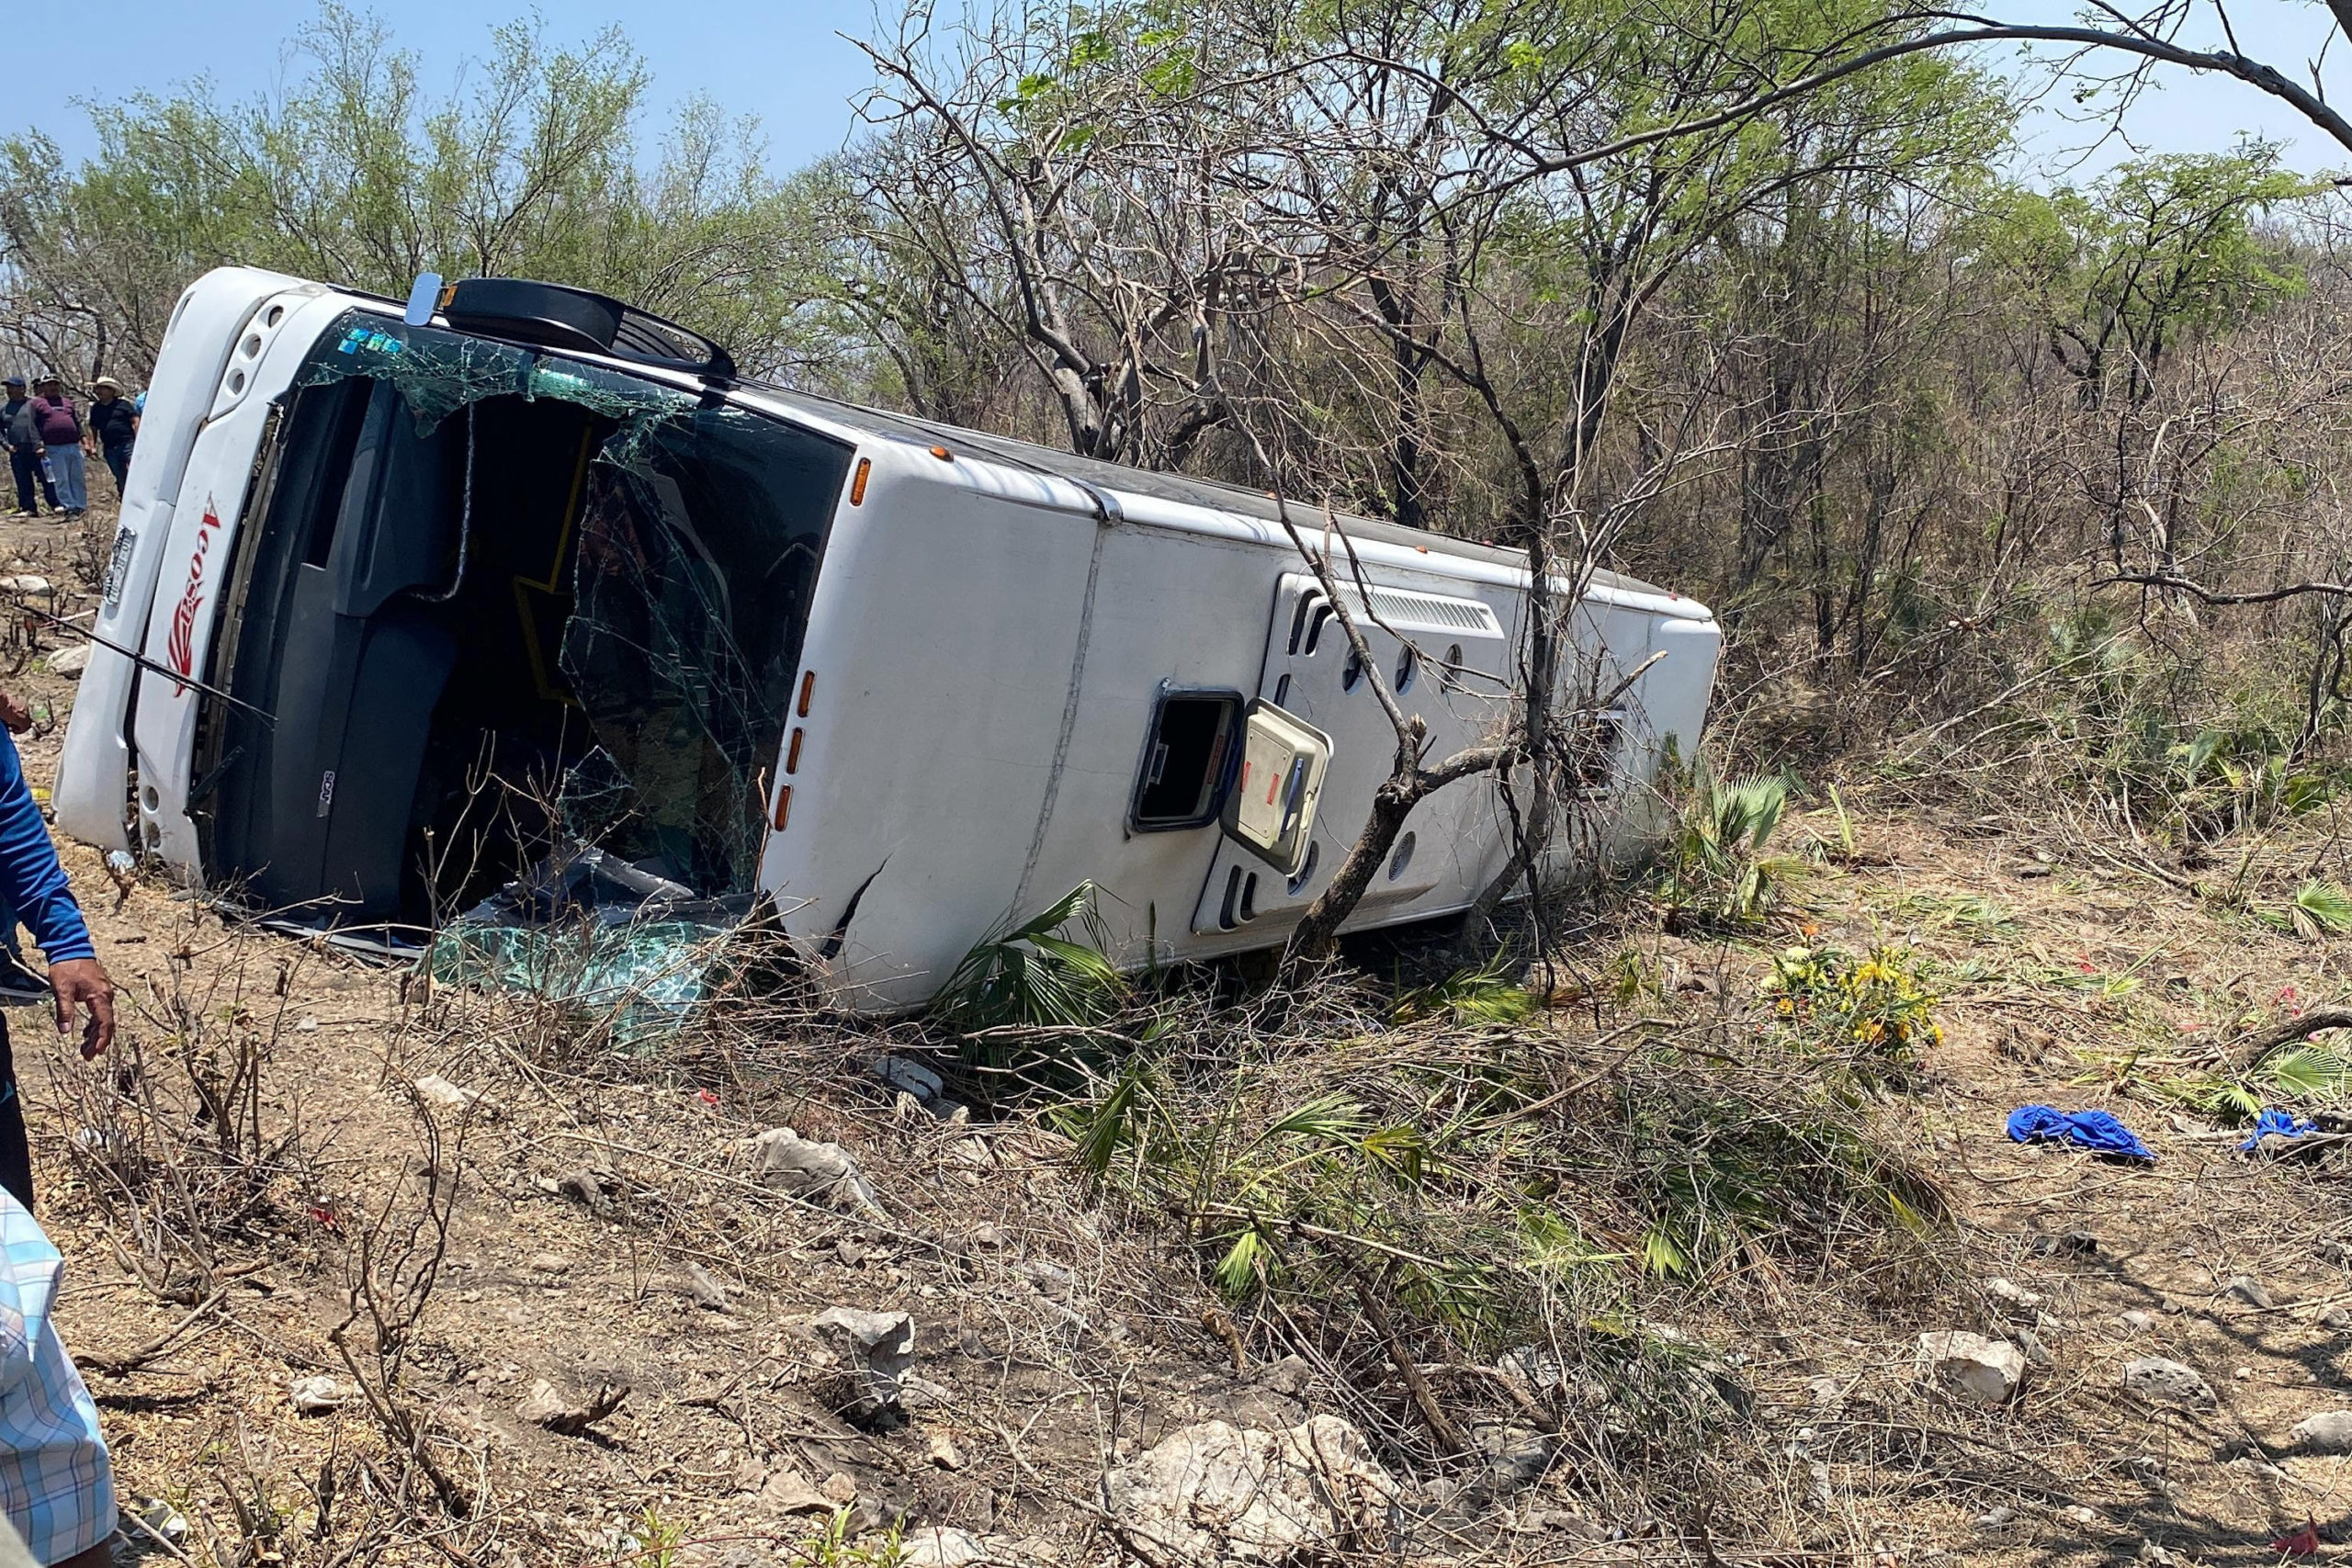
(209, 690)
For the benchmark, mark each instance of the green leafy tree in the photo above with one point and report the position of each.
(2159, 248)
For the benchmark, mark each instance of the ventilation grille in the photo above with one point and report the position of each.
(1404, 610)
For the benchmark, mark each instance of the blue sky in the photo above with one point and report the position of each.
(2185, 112)
(785, 63)
(780, 60)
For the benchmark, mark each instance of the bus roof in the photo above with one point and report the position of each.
(1156, 485)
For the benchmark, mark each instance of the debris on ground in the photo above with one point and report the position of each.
(821, 1172)
(2276, 1132)
(1985, 1371)
(317, 1395)
(2095, 1130)
(543, 1407)
(872, 1352)
(1214, 1494)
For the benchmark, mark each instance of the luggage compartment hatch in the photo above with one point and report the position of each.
(1272, 809)
(1317, 723)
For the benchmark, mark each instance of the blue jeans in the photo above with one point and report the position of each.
(66, 472)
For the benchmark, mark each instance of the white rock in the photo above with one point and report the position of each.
(436, 1090)
(2137, 1321)
(789, 1491)
(2168, 1383)
(2329, 1432)
(939, 1547)
(2009, 1294)
(550, 1263)
(1983, 1370)
(24, 584)
(70, 662)
(873, 1350)
(1997, 1518)
(317, 1395)
(824, 1173)
(2249, 1289)
(941, 1451)
(1213, 1493)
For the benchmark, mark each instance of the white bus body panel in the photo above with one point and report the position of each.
(219, 314)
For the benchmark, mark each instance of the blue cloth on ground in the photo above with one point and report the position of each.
(2093, 1130)
(2285, 1123)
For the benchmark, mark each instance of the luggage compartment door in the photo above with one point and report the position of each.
(1270, 811)
(1446, 656)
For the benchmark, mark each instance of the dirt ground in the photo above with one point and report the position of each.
(606, 1231)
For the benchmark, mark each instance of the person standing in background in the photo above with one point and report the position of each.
(114, 424)
(24, 448)
(60, 426)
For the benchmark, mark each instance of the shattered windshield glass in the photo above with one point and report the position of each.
(687, 544)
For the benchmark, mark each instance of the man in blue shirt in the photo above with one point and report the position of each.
(34, 886)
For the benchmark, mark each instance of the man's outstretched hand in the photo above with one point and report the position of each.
(82, 983)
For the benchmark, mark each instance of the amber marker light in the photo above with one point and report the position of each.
(783, 807)
(808, 690)
(943, 454)
(792, 758)
(857, 484)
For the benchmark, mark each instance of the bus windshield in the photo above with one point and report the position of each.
(503, 606)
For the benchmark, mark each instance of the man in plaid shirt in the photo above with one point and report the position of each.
(55, 1483)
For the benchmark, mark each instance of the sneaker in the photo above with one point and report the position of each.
(19, 986)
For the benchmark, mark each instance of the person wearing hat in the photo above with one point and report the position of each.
(25, 449)
(60, 423)
(114, 424)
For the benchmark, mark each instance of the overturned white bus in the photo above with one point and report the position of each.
(753, 646)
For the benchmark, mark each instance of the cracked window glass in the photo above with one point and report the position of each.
(533, 615)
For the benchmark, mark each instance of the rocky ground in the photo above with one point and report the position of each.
(365, 1270)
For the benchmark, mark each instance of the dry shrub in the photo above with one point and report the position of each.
(177, 1137)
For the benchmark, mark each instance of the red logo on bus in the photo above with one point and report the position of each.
(181, 648)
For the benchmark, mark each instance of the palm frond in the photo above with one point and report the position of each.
(2308, 1071)
(2320, 909)
(1032, 974)
(1481, 994)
